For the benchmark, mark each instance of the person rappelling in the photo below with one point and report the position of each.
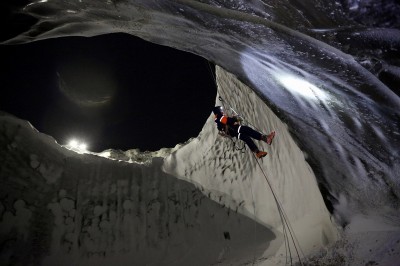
(231, 127)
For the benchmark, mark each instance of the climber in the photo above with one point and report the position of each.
(231, 127)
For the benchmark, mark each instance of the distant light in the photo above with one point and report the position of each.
(82, 146)
(77, 145)
(74, 143)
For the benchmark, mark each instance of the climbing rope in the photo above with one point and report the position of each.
(254, 219)
(212, 74)
(235, 146)
(288, 232)
(242, 149)
(285, 222)
(244, 121)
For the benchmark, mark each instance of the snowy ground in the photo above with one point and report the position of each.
(365, 241)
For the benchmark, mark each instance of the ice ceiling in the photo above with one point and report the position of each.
(317, 64)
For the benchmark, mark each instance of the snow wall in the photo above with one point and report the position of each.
(201, 203)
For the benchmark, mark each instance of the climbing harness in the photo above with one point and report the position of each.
(234, 141)
(245, 121)
(288, 232)
(235, 146)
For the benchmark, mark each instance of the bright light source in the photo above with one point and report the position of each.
(82, 146)
(73, 143)
(77, 145)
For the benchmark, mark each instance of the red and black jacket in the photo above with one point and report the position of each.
(227, 125)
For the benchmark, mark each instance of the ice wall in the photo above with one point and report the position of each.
(310, 60)
(211, 162)
(204, 203)
(58, 207)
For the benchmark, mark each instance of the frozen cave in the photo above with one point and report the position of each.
(326, 194)
(171, 207)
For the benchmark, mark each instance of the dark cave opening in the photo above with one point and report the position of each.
(111, 91)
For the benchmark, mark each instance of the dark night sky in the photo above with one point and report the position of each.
(154, 96)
